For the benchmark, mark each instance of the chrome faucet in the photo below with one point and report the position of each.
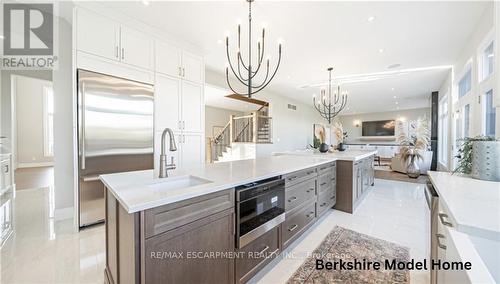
(164, 167)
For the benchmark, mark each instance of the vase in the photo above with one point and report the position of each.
(341, 147)
(412, 169)
(486, 160)
(323, 148)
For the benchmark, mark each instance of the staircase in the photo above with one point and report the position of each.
(255, 128)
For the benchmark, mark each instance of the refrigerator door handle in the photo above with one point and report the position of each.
(82, 136)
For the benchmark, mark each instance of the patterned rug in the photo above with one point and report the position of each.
(348, 245)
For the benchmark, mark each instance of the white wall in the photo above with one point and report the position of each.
(29, 104)
(356, 132)
(215, 116)
(292, 129)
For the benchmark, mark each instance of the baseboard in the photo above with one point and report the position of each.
(35, 165)
(64, 213)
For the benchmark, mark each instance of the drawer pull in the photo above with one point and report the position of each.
(292, 177)
(438, 237)
(310, 172)
(264, 250)
(324, 204)
(324, 183)
(292, 228)
(309, 190)
(446, 223)
(333, 197)
(292, 199)
(310, 214)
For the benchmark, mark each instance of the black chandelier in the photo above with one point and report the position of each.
(248, 74)
(329, 107)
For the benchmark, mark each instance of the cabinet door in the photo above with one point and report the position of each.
(208, 235)
(193, 67)
(136, 48)
(168, 59)
(192, 150)
(167, 103)
(97, 35)
(192, 107)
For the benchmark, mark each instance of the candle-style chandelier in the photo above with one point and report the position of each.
(246, 73)
(330, 106)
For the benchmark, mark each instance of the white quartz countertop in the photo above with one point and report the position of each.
(134, 192)
(347, 155)
(474, 204)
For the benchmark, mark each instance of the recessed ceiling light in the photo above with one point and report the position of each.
(394, 97)
(397, 103)
(392, 89)
(145, 2)
(371, 18)
(381, 50)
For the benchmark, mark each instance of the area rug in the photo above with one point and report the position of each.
(346, 245)
(392, 175)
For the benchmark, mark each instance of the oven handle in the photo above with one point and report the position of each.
(269, 186)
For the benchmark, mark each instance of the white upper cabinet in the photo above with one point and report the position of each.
(168, 59)
(136, 48)
(97, 35)
(193, 67)
(100, 36)
(167, 102)
(192, 107)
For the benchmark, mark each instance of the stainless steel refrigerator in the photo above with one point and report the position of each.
(115, 134)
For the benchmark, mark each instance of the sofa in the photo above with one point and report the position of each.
(397, 164)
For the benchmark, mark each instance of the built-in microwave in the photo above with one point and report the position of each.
(260, 207)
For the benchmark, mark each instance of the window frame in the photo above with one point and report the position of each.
(443, 128)
(484, 109)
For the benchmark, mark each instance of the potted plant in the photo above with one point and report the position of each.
(413, 146)
(480, 157)
(341, 136)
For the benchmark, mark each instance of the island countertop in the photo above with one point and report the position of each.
(347, 155)
(474, 204)
(134, 191)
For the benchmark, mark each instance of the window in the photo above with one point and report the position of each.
(48, 121)
(489, 114)
(464, 85)
(466, 120)
(488, 61)
(443, 131)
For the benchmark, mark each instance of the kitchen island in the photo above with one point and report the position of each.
(355, 170)
(188, 228)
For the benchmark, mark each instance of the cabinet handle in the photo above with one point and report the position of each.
(438, 237)
(310, 189)
(292, 228)
(6, 169)
(292, 177)
(123, 53)
(183, 72)
(322, 205)
(446, 223)
(180, 71)
(292, 199)
(333, 197)
(264, 250)
(324, 183)
(310, 172)
(310, 214)
(183, 124)
(116, 52)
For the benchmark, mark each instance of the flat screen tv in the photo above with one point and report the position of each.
(378, 128)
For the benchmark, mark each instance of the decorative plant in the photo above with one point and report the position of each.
(340, 134)
(416, 144)
(465, 153)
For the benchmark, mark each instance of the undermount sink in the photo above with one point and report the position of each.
(178, 182)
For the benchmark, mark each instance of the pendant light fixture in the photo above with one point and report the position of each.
(246, 73)
(329, 106)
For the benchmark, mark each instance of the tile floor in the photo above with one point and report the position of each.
(42, 250)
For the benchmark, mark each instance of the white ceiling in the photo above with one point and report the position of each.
(216, 97)
(317, 35)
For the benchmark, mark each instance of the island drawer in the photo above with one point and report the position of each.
(325, 182)
(326, 168)
(295, 222)
(255, 255)
(325, 200)
(171, 216)
(299, 194)
(299, 176)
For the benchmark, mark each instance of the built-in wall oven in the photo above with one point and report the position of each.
(260, 207)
